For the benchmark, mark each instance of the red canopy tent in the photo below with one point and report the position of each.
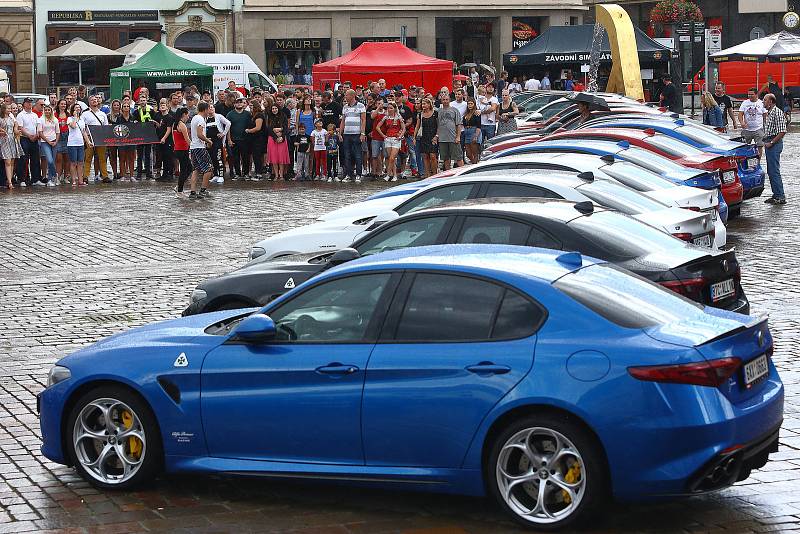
(391, 61)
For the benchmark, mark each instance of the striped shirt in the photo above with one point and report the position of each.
(775, 123)
(352, 118)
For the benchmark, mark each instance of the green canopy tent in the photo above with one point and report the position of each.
(161, 66)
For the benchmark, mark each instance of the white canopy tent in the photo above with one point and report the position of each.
(79, 50)
(782, 47)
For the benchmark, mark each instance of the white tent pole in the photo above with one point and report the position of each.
(758, 67)
(783, 77)
(80, 73)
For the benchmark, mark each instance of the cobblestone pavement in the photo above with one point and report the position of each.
(78, 266)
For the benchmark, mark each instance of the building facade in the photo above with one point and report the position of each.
(193, 26)
(16, 43)
(738, 20)
(291, 38)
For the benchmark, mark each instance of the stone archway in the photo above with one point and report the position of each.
(8, 63)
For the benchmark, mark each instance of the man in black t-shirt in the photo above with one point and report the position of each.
(725, 104)
(670, 98)
(331, 111)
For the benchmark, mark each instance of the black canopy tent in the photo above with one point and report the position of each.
(570, 45)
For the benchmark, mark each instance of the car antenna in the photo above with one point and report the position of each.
(608, 158)
(570, 258)
(587, 176)
(586, 207)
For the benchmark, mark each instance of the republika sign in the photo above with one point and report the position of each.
(131, 134)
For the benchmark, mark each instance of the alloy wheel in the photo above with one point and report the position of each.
(541, 475)
(109, 440)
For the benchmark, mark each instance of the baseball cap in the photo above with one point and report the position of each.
(27, 99)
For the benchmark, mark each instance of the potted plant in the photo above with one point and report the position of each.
(668, 12)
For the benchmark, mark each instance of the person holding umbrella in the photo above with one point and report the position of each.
(586, 104)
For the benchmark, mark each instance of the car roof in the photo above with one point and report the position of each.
(573, 160)
(606, 146)
(564, 178)
(561, 210)
(494, 261)
(596, 132)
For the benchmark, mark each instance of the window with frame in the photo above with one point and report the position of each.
(435, 197)
(414, 233)
(336, 311)
(444, 308)
(493, 230)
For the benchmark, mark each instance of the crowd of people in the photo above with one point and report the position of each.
(343, 135)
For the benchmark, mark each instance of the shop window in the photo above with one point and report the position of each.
(195, 43)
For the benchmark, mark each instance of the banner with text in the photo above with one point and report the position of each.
(131, 134)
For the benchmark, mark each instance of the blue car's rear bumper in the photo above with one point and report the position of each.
(752, 181)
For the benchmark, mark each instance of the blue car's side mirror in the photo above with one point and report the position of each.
(256, 328)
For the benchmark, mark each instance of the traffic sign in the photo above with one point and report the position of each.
(714, 40)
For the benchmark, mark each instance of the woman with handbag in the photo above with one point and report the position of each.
(429, 125)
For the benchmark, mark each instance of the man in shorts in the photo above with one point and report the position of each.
(448, 133)
(751, 116)
(198, 152)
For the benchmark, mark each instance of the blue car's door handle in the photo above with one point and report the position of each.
(488, 368)
(336, 368)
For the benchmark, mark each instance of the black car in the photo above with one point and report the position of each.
(706, 276)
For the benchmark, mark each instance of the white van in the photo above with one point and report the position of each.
(237, 67)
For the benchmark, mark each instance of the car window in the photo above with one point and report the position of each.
(511, 189)
(336, 311)
(554, 109)
(443, 308)
(493, 230)
(540, 238)
(518, 317)
(435, 197)
(672, 146)
(627, 299)
(623, 237)
(620, 198)
(414, 233)
(636, 177)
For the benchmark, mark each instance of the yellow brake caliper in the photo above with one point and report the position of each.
(134, 444)
(572, 476)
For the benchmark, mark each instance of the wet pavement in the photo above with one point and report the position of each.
(76, 266)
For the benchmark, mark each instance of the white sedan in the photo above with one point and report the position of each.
(341, 227)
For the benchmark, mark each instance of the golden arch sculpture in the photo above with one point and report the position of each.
(626, 74)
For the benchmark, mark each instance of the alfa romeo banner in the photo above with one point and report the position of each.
(134, 133)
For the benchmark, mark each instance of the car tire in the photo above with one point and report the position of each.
(113, 439)
(575, 486)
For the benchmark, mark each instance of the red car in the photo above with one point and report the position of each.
(676, 150)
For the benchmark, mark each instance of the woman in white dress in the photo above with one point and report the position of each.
(9, 143)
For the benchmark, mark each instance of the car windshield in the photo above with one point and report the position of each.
(623, 236)
(650, 161)
(672, 146)
(554, 109)
(636, 177)
(620, 198)
(626, 299)
(702, 135)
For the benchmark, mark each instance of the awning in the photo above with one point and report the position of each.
(560, 45)
(779, 47)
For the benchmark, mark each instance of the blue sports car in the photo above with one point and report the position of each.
(548, 380)
(750, 171)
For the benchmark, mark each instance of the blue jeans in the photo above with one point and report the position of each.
(412, 153)
(49, 152)
(488, 131)
(418, 157)
(351, 154)
(774, 169)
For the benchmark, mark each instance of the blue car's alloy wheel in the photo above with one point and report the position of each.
(111, 438)
(544, 472)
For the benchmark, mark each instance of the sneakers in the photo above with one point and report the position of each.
(330, 179)
(38, 183)
(23, 184)
(336, 179)
(346, 180)
(358, 179)
(179, 194)
(386, 177)
(193, 196)
(217, 180)
(52, 183)
(777, 201)
(394, 179)
(407, 173)
(204, 193)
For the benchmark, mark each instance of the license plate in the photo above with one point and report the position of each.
(702, 241)
(722, 290)
(752, 163)
(755, 369)
(728, 177)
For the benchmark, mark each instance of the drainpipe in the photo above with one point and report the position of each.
(33, 51)
(233, 23)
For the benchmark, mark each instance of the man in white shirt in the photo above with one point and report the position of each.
(27, 121)
(489, 113)
(351, 126)
(751, 116)
(198, 152)
(460, 104)
(532, 84)
(94, 117)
